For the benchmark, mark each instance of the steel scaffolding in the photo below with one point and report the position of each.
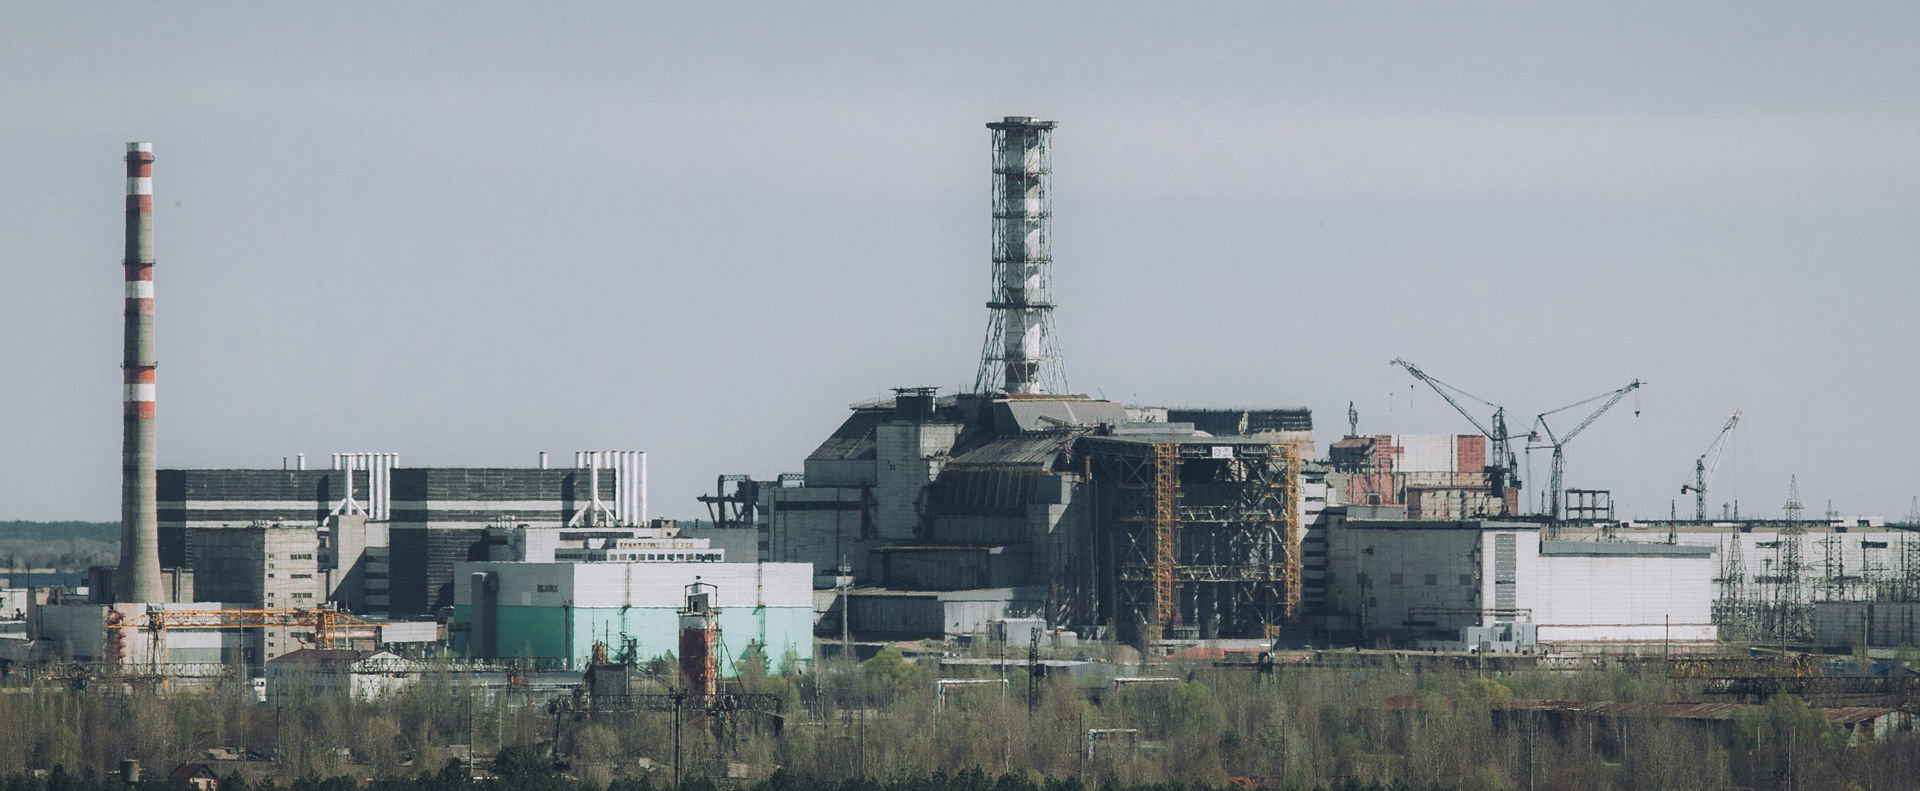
(1194, 538)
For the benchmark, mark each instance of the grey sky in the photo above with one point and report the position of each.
(469, 232)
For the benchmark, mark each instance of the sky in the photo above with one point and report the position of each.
(469, 232)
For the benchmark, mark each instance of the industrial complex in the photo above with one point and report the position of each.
(1016, 508)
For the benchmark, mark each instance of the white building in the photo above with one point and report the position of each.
(1425, 582)
(364, 675)
(659, 541)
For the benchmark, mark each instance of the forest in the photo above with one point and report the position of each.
(884, 724)
(65, 546)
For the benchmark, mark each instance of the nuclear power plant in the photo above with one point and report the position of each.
(1017, 507)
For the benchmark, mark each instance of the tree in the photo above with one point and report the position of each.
(889, 676)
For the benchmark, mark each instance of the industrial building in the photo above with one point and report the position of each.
(1020, 499)
(562, 609)
(954, 511)
(270, 565)
(1435, 476)
(390, 535)
(1415, 582)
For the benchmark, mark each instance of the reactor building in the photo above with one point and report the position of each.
(938, 514)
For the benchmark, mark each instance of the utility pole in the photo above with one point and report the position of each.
(678, 699)
(846, 610)
(1033, 671)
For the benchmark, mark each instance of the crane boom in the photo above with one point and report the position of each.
(1556, 488)
(1703, 469)
(1442, 388)
(1503, 462)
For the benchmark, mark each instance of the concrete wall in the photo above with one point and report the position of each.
(1411, 583)
(421, 559)
(1842, 625)
(934, 614)
(951, 568)
(740, 545)
(271, 567)
(847, 473)
(814, 525)
(906, 462)
(1587, 591)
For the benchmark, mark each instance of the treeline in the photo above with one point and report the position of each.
(68, 546)
(42, 531)
(535, 776)
(844, 725)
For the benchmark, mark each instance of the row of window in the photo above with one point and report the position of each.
(697, 557)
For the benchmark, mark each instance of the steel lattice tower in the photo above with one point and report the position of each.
(1020, 354)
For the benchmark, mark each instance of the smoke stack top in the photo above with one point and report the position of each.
(138, 578)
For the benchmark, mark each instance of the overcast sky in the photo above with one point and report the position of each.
(468, 232)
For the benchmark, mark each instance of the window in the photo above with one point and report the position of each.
(303, 595)
(1395, 580)
(301, 556)
(547, 588)
(301, 576)
(1466, 580)
(1433, 579)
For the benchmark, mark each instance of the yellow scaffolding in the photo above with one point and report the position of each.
(1166, 488)
(1289, 493)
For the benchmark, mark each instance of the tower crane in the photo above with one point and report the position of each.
(1558, 442)
(1703, 469)
(1501, 463)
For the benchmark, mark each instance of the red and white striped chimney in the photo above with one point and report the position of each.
(138, 578)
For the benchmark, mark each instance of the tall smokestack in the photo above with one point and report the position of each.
(138, 578)
(1020, 355)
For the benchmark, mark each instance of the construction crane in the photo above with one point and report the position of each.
(327, 628)
(1556, 489)
(1501, 461)
(1703, 469)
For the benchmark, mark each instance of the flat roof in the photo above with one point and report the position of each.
(1437, 524)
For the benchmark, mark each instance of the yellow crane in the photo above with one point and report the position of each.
(327, 628)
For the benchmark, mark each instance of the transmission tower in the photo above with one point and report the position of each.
(1794, 613)
(1733, 611)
